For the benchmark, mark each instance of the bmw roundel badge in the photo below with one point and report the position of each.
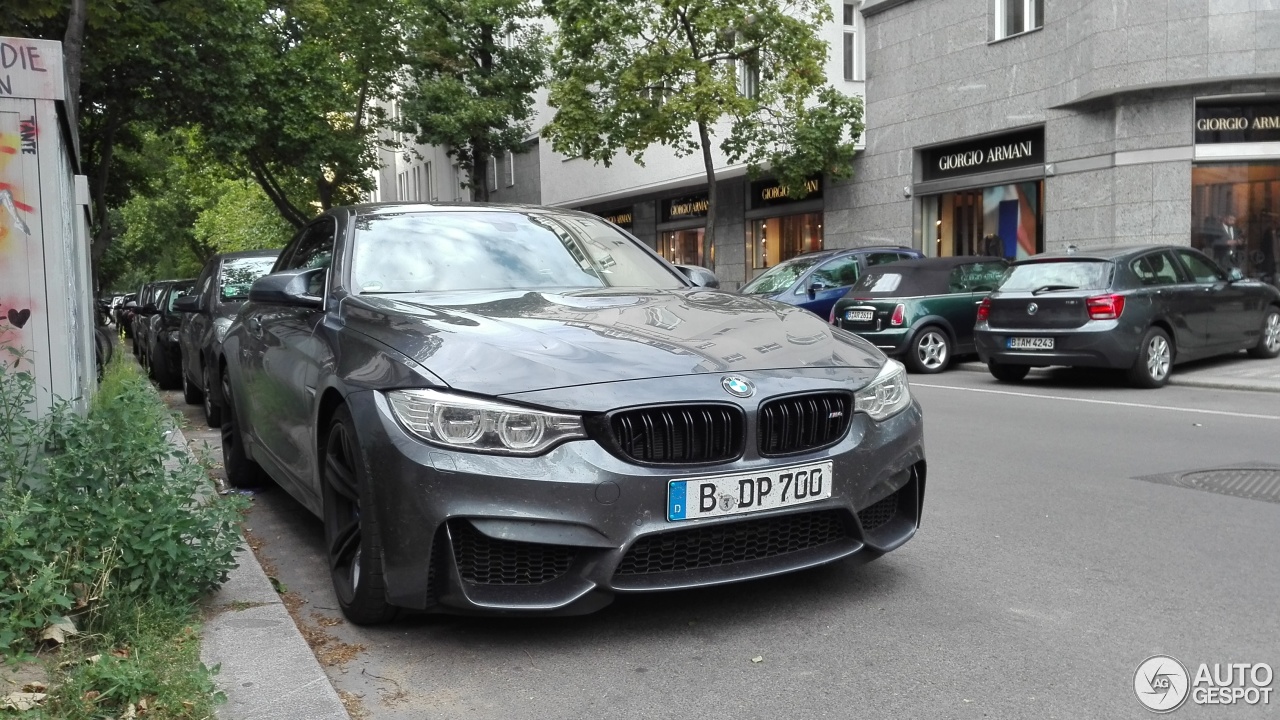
(738, 386)
(1032, 308)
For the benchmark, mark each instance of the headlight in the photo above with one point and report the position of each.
(465, 423)
(887, 395)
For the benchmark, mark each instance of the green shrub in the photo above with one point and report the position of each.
(99, 510)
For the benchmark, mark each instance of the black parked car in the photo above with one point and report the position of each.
(221, 289)
(1142, 309)
(525, 410)
(163, 354)
(138, 314)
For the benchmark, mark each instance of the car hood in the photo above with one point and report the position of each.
(496, 343)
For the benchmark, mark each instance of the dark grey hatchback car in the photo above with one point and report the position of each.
(525, 410)
(1140, 309)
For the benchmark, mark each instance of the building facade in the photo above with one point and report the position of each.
(1010, 127)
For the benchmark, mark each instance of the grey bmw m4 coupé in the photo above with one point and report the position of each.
(525, 410)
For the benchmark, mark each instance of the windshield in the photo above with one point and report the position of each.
(239, 273)
(468, 250)
(779, 277)
(1058, 275)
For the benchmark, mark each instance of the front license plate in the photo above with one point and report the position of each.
(1030, 343)
(696, 498)
(859, 315)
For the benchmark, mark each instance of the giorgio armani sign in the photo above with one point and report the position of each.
(1238, 122)
(997, 152)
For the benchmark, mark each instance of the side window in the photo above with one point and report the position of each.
(1201, 268)
(1156, 269)
(837, 273)
(883, 258)
(314, 250)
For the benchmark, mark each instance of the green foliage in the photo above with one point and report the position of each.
(98, 511)
(148, 651)
(240, 217)
(626, 76)
(474, 66)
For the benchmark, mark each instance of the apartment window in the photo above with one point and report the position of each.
(1014, 17)
(748, 79)
(416, 194)
(511, 169)
(852, 69)
(493, 172)
(428, 184)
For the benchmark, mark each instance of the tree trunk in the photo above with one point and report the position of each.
(708, 235)
(479, 175)
(102, 238)
(73, 52)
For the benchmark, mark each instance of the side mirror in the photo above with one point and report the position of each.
(289, 287)
(148, 309)
(700, 276)
(131, 305)
(1234, 275)
(816, 287)
(187, 304)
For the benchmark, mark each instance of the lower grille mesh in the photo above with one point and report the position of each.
(878, 514)
(718, 545)
(484, 561)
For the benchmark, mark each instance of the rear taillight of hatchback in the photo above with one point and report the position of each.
(899, 313)
(1105, 307)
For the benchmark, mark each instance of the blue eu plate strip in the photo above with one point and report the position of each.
(675, 501)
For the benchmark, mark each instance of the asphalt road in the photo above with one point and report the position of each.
(1044, 573)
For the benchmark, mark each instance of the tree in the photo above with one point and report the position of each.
(626, 76)
(473, 68)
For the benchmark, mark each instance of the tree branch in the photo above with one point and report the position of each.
(274, 192)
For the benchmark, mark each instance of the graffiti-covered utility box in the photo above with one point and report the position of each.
(46, 306)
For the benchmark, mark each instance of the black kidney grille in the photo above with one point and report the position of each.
(876, 515)
(705, 547)
(803, 422)
(680, 434)
(484, 561)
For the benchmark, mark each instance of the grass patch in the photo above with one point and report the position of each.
(110, 532)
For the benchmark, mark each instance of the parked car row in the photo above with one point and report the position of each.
(1138, 309)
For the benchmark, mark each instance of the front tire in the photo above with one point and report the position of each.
(351, 536)
(1007, 373)
(1269, 343)
(241, 471)
(212, 409)
(930, 351)
(1155, 360)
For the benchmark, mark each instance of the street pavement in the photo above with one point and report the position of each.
(1044, 573)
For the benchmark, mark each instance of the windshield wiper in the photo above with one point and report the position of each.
(1051, 288)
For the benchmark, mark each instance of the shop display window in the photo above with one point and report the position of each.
(774, 240)
(1235, 216)
(999, 221)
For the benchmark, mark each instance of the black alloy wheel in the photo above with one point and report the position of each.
(1155, 360)
(1269, 341)
(930, 351)
(351, 536)
(1007, 373)
(212, 410)
(241, 471)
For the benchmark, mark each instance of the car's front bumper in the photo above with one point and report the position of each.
(563, 532)
(1097, 343)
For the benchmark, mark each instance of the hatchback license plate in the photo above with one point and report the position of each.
(691, 499)
(859, 315)
(1030, 343)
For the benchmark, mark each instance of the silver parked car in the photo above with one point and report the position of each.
(525, 410)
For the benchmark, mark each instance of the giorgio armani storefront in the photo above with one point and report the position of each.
(982, 196)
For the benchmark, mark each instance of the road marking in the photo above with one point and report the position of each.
(1144, 406)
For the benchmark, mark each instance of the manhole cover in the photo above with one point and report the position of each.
(1258, 482)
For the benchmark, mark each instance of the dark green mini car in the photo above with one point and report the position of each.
(920, 310)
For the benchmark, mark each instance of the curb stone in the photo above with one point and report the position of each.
(267, 670)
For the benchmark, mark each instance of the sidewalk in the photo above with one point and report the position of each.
(266, 668)
(1230, 372)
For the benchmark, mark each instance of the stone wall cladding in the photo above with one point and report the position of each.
(933, 77)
